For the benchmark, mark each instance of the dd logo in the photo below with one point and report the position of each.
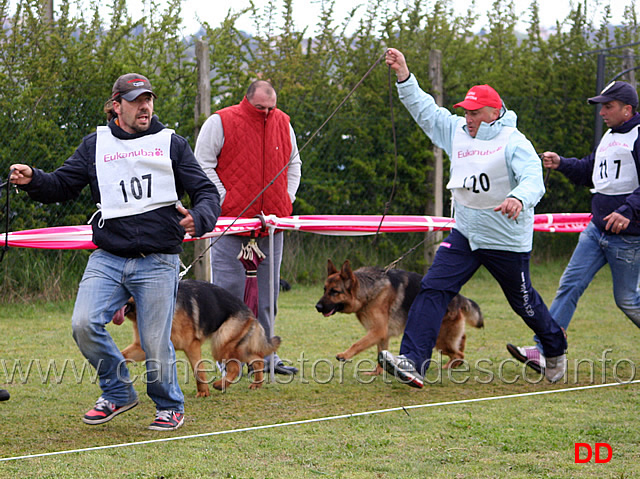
(598, 446)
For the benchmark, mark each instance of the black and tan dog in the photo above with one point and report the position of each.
(381, 301)
(204, 311)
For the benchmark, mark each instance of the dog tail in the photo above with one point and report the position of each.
(260, 343)
(274, 343)
(473, 314)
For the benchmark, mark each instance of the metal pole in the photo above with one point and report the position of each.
(272, 296)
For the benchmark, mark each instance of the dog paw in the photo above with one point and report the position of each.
(343, 357)
(203, 394)
(257, 385)
(219, 385)
(376, 372)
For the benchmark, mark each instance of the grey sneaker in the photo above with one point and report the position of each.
(402, 368)
(556, 368)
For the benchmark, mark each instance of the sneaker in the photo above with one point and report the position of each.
(529, 355)
(167, 420)
(556, 368)
(402, 368)
(105, 410)
(4, 395)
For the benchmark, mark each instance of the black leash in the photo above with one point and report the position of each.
(5, 247)
(395, 156)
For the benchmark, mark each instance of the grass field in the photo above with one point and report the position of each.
(524, 436)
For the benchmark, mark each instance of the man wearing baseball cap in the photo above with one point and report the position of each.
(137, 171)
(495, 180)
(613, 235)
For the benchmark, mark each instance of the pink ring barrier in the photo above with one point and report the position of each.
(79, 237)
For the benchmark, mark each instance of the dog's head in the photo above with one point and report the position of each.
(128, 310)
(339, 290)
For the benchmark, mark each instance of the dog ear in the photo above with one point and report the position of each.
(331, 268)
(346, 272)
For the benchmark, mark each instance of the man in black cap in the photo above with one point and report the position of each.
(613, 235)
(137, 170)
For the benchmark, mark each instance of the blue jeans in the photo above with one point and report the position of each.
(106, 285)
(594, 250)
(454, 265)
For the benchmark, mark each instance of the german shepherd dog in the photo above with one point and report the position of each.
(381, 301)
(205, 311)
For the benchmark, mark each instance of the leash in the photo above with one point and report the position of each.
(411, 250)
(5, 247)
(315, 133)
(395, 157)
(547, 173)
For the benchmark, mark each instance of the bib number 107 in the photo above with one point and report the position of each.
(138, 187)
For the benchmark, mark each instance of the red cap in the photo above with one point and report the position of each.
(479, 96)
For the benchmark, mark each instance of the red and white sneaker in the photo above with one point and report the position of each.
(105, 411)
(167, 420)
(530, 355)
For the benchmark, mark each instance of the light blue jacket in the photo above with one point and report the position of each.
(484, 228)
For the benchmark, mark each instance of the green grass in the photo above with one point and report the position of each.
(522, 437)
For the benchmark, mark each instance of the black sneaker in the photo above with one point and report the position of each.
(4, 395)
(105, 410)
(403, 369)
(167, 420)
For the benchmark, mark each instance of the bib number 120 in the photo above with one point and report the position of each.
(482, 181)
(136, 187)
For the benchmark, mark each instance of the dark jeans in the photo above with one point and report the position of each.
(454, 265)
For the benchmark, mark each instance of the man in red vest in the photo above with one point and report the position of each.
(242, 148)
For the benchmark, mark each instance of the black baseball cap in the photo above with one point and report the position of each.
(617, 90)
(131, 86)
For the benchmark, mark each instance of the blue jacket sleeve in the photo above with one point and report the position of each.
(578, 171)
(438, 123)
(66, 182)
(527, 170)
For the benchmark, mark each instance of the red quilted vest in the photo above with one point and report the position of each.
(255, 149)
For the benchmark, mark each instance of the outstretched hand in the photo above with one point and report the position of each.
(20, 174)
(395, 59)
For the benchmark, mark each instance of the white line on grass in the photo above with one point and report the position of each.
(320, 419)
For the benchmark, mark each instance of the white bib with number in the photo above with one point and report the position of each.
(614, 170)
(479, 175)
(134, 176)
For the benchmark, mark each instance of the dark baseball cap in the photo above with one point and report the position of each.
(617, 90)
(131, 86)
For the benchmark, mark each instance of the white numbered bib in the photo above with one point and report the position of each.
(479, 174)
(614, 170)
(134, 176)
